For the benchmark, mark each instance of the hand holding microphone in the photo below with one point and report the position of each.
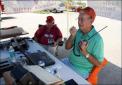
(83, 46)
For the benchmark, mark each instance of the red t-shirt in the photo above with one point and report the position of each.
(42, 34)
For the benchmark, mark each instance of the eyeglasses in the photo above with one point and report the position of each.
(83, 19)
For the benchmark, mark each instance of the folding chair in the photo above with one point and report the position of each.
(93, 77)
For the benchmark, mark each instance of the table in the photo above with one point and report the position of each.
(63, 71)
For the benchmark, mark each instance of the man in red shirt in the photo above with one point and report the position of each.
(48, 35)
(1, 6)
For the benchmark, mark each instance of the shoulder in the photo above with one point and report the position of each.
(42, 27)
(55, 26)
(98, 39)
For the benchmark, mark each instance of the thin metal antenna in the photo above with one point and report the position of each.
(97, 32)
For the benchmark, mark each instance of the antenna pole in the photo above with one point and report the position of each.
(97, 32)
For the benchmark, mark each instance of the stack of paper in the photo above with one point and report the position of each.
(43, 75)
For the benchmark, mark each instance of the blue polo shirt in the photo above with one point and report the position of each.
(95, 48)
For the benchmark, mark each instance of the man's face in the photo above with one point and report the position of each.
(50, 24)
(84, 21)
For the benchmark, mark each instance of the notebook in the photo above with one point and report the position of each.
(41, 56)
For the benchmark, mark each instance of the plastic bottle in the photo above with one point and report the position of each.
(12, 54)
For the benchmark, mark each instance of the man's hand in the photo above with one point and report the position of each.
(83, 47)
(69, 44)
(73, 31)
(55, 44)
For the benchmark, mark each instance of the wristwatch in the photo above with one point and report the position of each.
(87, 56)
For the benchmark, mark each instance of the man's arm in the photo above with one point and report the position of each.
(9, 80)
(69, 42)
(59, 36)
(91, 58)
(95, 61)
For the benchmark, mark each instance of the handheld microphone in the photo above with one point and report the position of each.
(80, 43)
